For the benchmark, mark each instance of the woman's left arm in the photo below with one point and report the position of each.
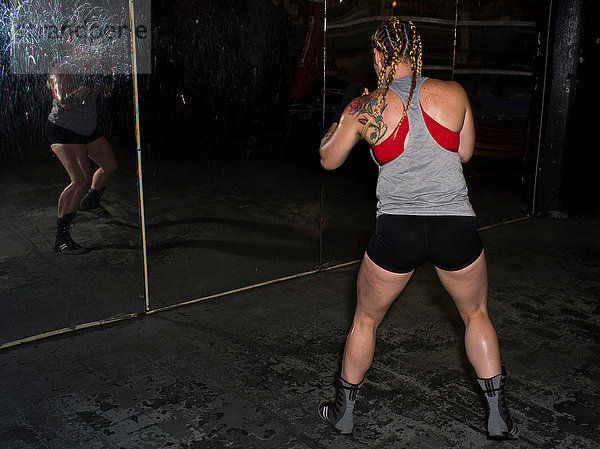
(467, 133)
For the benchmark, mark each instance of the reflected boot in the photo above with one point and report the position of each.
(91, 203)
(64, 243)
(338, 412)
(500, 424)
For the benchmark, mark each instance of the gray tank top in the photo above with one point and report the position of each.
(83, 119)
(426, 179)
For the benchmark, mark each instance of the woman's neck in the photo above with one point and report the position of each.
(403, 70)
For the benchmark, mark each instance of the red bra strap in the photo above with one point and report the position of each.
(447, 139)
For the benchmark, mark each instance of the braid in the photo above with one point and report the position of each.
(396, 56)
(398, 41)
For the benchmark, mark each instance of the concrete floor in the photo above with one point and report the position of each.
(248, 370)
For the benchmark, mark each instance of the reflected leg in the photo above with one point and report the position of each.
(75, 160)
(376, 291)
(101, 153)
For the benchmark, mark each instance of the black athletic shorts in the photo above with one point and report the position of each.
(401, 242)
(58, 134)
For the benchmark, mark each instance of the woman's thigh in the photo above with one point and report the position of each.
(377, 289)
(101, 153)
(468, 287)
(74, 158)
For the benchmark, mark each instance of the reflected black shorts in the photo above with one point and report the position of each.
(401, 242)
(58, 134)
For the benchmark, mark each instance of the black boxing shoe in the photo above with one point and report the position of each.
(63, 243)
(91, 203)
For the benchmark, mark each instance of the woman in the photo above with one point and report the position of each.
(72, 131)
(420, 130)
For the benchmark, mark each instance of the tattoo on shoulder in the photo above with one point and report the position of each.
(369, 110)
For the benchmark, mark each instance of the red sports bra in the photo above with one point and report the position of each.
(389, 149)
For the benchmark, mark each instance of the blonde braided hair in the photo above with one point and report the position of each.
(398, 41)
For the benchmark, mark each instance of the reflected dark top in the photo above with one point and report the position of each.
(82, 119)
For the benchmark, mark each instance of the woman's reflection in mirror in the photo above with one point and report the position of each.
(72, 129)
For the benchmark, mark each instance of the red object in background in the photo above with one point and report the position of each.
(311, 61)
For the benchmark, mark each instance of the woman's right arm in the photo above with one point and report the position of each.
(361, 119)
(344, 132)
(339, 141)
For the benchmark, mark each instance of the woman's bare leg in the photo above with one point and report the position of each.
(469, 288)
(75, 160)
(376, 291)
(101, 153)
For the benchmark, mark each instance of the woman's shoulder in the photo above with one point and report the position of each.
(372, 104)
(434, 87)
(369, 114)
(445, 101)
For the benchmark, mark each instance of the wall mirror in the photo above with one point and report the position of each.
(44, 291)
(226, 103)
(232, 180)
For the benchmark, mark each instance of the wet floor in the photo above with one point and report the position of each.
(248, 370)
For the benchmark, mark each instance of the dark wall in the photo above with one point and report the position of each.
(580, 195)
(561, 160)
